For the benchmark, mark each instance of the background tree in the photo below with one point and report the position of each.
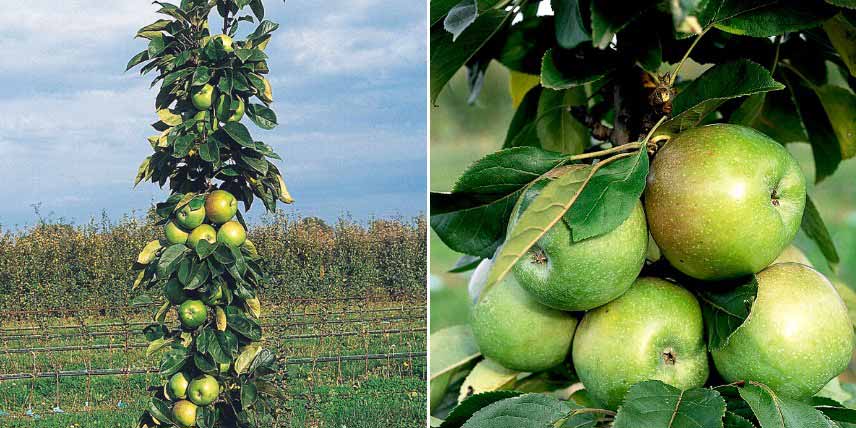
(219, 375)
(609, 84)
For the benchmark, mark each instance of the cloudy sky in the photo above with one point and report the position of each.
(348, 81)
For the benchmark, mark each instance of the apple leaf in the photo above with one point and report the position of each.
(815, 229)
(733, 420)
(655, 404)
(713, 88)
(525, 411)
(157, 345)
(486, 376)
(825, 146)
(834, 410)
(239, 133)
(262, 116)
(764, 18)
(160, 410)
(460, 17)
(557, 130)
(608, 17)
(725, 311)
(774, 411)
(570, 27)
(609, 197)
(170, 259)
(248, 354)
(522, 130)
(563, 69)
(840, 107)
(173, 361)
(206, 417)
(474, 403)
(149, 252)
(448, 56)
(506, 171)
(451, 349)
(545, 211)
(842, 34)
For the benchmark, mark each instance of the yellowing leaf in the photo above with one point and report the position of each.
(220, 317)
(254, 306)
(144, 172)
(139, 280)
(284, 196)
(267, 95)
(251, 248)
(486, 376)
(843, 37)
(162, 140)
(169, 117)
(149, 252)
(160, 315)
(520, 83)
(248, 354)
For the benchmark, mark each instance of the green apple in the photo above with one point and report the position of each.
(203, 232)
(578, 276)
(189, 218)
(226, 40)
(723, 201)
(174, 233)
(174, 292)
(203, 390)
(652, 332)
(214, 296)
(204, 120)
(232, 234)
(177, 386)
(797, 337)
(220, 206)
(203, 96)
(224, 111)
(192, 313)
(184, 413)
(514, 330)
(792, 254)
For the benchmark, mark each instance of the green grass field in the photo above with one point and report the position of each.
(462, 134)
(361, 393)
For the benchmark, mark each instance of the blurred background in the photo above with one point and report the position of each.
(462, 133)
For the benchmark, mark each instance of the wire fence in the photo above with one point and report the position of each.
(339, 358)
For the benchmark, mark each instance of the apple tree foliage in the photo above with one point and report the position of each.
(606, 83)
(194, 155)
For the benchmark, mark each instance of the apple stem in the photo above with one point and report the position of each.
(597, 154)
(686, 55)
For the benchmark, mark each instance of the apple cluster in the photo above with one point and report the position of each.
(721, 204)
(189, 225)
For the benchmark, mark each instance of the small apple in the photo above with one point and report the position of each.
(652, 332)
(188, 218)
(192, 313)
(204, 120)
(204, 232)
(723, 201)
(220, 206)
(203, 96)
(184, 413)
(177, 386)
(232, 234)
(224, 111)
(514, 330)
(174, 292)
(226, 41)
(174, 233)
(203, 390)
(797, 337)
(578, 276)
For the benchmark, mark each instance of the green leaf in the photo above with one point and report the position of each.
(716, 86)
(138, 59)
(563, 69)
(210, 150)
(522, 131)
(248, 395)
(448, 56)
(201, 76)
(170, 259)
(173, 361)
(242, 325)
(157, 345)
(525, 411)
(452, 349)
(732, 420)
(156, 46)
(262, 116)
(248, 354)
(474, 403)
(460, 17)
(842, 34)
(160, 410)
(724, 311)
(815, 229)
(206, 417)
(506, 171)
(774, 114)
(773, 411)
(655, 404)
(544, 212)
(265, 27)
(824, 143)
(255, 161)
(239, 133)
(471, 223)
(258, 9)
(771, 18)
(609, 198)
(608, 17)
(570, 27)
(557, 130)
(840, 107)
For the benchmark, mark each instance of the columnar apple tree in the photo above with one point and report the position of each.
(666, 119)
(215, 369)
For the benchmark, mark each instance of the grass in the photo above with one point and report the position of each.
(364, 393)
